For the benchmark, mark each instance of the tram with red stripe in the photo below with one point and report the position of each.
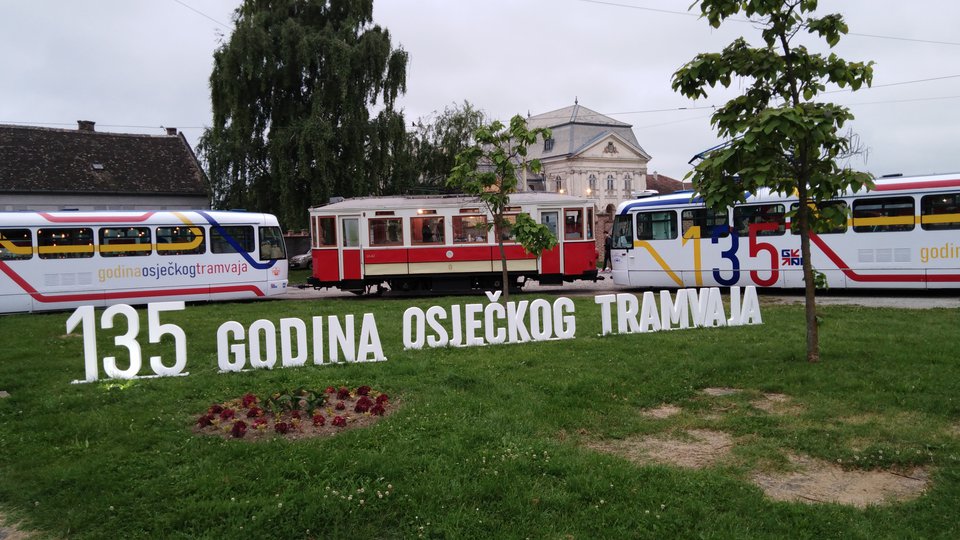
(903, 233)
(446, 243)
(61, 260)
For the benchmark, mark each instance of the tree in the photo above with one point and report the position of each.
(779, 136)
(491, 169)
(291, 92)
(437, 140)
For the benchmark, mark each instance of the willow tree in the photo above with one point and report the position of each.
(491, 169)
(438, 138)
(292, 90)
(780, 136)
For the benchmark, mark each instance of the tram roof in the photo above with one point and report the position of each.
(446, 201)
(66, 218)
(881, 185)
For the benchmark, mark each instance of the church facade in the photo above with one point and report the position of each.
(588, 155)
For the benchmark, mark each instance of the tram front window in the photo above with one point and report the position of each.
(622, 232)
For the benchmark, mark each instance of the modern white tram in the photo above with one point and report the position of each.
(61, 260)
(903, 233)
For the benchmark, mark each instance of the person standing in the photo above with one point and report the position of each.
(607, 244)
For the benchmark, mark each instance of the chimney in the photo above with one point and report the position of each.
(85, 125)
(172, 131)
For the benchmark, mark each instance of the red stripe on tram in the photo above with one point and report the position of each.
(154, 293)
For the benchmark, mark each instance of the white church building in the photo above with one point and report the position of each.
(589, 155)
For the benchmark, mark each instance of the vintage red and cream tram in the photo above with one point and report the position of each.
(444, 243)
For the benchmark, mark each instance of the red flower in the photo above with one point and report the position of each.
(260, 422)
(319, 420)
(383, 398)
(248, 400)
(227, 414)
(216, 408)
(239, 429)
(343, 393)
(331, 390)
(363, 404)
(339, 421)
(377, 410)
(295, 414)
(255, 412)
(340, 406)
(281, 427)
(363, 390)
(205, 420)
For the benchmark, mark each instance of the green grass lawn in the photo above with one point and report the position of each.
(486, 442)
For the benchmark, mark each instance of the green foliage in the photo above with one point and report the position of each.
(437, 141)
(533, 236)
(779, 137)
(491, 170)
(291, 92)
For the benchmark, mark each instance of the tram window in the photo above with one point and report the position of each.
(386, 231)
(15, 245)
(469, 229)
(589, 223)
(180, 240)
(272, 246)
(75, 243)
(622, 232)
(506, 233)
(838, 227)
(234, 238)
(124, 241)
(573, 224)
(324, 231)
(707, 219)
(743, 216)
(351, 232)
(549, 220)
(426, 230)
(940, 212)
(889, 214)
(656, 226)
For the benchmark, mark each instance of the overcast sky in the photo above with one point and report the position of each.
(138, 65)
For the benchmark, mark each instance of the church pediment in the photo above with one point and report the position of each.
(610, 146)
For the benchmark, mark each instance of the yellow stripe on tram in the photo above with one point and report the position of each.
(940, 218)
(15, 249)
(184, 246)
(656, 256)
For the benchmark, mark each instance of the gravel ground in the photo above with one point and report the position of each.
(867, 298)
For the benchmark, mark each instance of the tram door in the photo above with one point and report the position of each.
(351, 253)
(551, 262)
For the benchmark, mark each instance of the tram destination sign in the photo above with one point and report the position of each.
(325, 340)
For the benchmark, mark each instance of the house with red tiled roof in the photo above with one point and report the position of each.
(663, 184)
(83, 169)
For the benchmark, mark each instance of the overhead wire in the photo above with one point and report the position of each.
(741, 20)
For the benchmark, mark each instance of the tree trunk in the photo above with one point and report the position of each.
(503, 265)
(809, 285)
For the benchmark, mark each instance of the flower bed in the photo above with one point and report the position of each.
(296, 414)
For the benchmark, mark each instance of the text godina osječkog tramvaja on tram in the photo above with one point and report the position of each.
(333, 339)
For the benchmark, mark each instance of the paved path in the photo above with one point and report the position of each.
(872, 298)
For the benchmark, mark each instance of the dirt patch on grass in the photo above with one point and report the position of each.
(809, 480)
(10, 531)
(720, 391)
(779, 404)
(663, 411)
(693, 449)
(816, 481)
